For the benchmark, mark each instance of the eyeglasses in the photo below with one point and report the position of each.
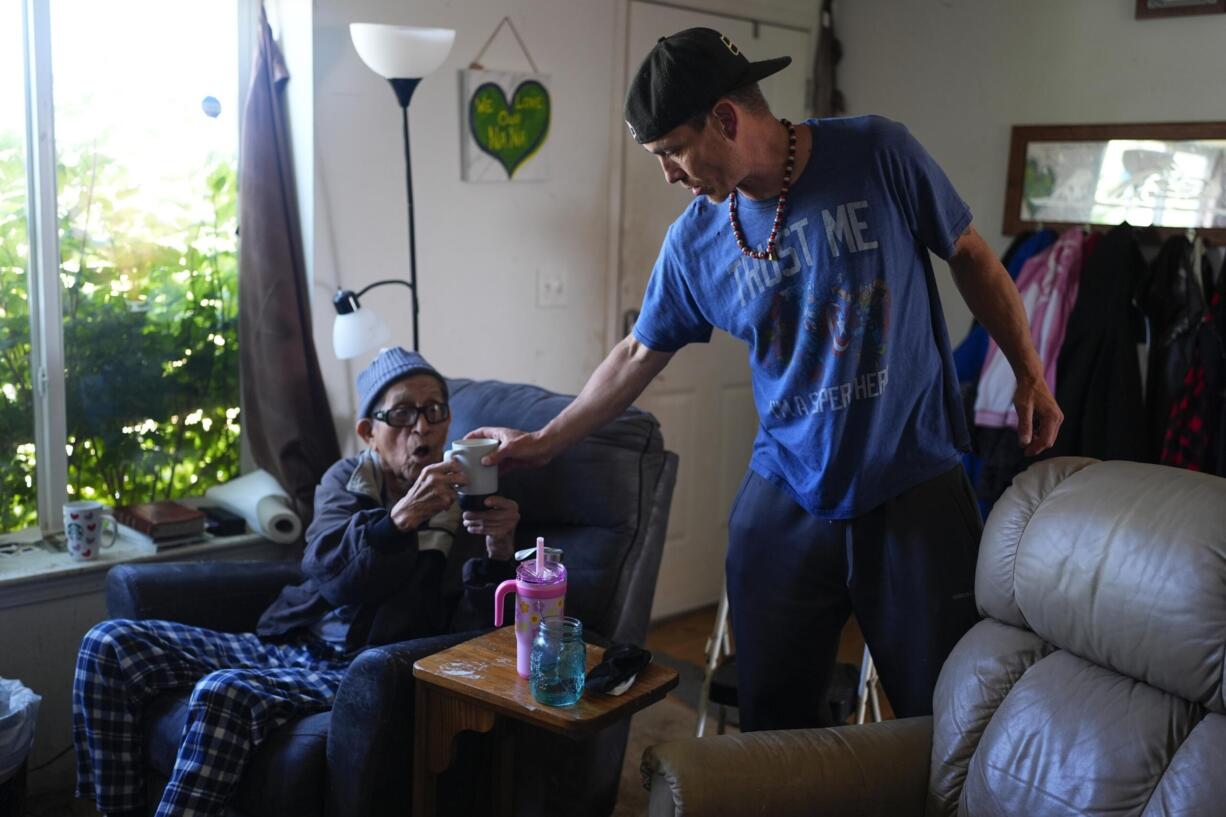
(403, 416)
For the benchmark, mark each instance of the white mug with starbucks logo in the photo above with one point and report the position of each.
(84, 524)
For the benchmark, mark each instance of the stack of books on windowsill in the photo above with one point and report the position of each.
(164, 524)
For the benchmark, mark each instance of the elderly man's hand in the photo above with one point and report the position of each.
(434, 492)
(496, 524)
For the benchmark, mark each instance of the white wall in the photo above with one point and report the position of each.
(960, 73)
(480, 247)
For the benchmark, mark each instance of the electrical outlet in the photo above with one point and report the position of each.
(551, 289)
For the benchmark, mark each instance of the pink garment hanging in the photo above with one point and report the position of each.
(1048, 286)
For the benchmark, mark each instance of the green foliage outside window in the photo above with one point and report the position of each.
(17, 505)
(150, 305)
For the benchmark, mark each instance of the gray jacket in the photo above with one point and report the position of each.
(369, 583)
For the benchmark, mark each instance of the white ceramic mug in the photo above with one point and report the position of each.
(84, 524)
(482, 479)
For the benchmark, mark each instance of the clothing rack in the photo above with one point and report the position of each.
(1148, 235)
(1162, 356)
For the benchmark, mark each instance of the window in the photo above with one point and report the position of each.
(119, 307)
(18, 507)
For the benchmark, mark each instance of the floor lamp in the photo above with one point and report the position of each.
(402, 55)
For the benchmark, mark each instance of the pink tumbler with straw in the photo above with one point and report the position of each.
(540, 591)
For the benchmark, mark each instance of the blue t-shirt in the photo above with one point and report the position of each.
(852, 374)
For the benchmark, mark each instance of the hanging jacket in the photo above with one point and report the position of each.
(1219, 428)
(1174, 304)
(1098, 374)
(1048, 286)
(1193, 424)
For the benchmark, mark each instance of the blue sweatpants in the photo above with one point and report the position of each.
(242, 688)
(906, 569)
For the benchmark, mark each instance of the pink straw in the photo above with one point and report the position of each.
(540, 557)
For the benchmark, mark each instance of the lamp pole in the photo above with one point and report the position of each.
(404, 92)
(402, 55)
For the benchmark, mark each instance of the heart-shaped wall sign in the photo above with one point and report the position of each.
(510, 133)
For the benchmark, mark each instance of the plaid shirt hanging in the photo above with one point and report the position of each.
(1188, 439)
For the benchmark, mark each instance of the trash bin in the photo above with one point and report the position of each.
(18, 717)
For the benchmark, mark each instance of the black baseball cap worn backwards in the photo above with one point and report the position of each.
(683, 75)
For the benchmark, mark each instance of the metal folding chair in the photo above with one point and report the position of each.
(867, 689)
(718, 650)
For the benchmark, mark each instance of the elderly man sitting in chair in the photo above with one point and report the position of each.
(383, 560)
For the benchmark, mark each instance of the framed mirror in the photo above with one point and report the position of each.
(1178, 8)
(1166, 176)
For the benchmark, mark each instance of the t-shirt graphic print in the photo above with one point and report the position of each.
(852, 373)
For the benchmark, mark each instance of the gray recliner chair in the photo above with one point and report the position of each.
(1093, 685)
(605, 502)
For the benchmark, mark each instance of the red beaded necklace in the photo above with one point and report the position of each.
(769, 254)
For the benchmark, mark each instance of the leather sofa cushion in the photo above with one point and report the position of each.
(1194, 783)
(1097, 689)
(1106, 561)
(995, 655)
(287, 774)
(1072, 738)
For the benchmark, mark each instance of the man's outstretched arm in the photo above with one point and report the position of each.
(994, 300)
(615, 384)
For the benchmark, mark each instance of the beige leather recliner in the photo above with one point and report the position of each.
(1093, 685)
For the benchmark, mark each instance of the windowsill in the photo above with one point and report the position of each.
(42, 572)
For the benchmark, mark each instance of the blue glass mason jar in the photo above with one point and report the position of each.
(559, 661)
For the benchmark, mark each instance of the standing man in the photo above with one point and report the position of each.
(811, 243)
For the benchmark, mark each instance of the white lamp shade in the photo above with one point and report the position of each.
(358, 332)
(401, 52)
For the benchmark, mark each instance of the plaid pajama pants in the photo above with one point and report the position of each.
(242, 689)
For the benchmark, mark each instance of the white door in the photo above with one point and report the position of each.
(703, 399)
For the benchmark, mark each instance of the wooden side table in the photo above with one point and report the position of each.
(473, 686)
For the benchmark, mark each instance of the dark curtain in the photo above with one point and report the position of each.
(284, 406)
(827, 98)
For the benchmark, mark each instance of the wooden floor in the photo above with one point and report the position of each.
(684, 637)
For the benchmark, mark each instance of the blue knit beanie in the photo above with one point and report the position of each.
(391, 365)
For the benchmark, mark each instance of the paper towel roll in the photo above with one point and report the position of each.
(259, 499)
